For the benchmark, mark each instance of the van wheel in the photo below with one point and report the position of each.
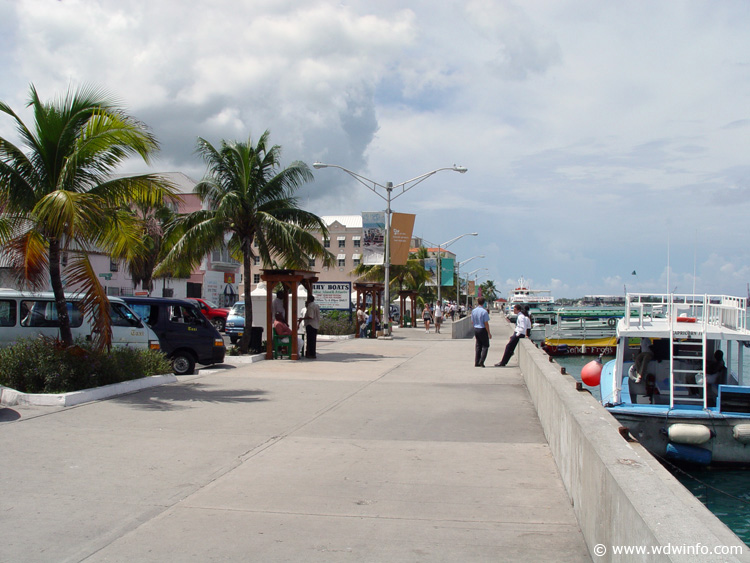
(183, 363)
(219, 324)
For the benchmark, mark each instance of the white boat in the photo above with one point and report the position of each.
(677, 411)
(538, 301)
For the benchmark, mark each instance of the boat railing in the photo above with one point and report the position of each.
(722, 311)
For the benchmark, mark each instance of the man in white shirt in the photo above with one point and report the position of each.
(438, 317)
(523, 329)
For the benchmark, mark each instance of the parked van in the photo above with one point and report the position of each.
(25, 314)
(185, 335)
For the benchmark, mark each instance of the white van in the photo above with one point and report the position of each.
(26, 314)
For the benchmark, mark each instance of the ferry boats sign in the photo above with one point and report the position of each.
(333, 295)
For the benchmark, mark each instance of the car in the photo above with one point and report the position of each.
(236, 327)
(217, 315)
(185, 335)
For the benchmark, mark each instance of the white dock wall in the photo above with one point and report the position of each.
(620, 494)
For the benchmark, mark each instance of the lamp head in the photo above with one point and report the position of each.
(461, 169)
(319, 165)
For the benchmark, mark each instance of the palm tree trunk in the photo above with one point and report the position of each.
(66, 335)
(247, 273)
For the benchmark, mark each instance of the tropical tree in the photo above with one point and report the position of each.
(250, 208)
(160, 228)
(489, 291)
(59, 196)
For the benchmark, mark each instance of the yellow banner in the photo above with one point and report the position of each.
(402, 225)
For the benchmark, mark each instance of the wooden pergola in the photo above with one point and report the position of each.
(291, 280)
(375, 291)
(411, 294)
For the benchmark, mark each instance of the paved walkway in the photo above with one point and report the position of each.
(379, 450)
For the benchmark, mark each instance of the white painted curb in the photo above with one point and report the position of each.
(10, 397)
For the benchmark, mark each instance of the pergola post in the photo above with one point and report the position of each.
(291, 280)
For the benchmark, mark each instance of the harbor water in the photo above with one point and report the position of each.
(725, 492)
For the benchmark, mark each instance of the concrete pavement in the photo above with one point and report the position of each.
(378, 450)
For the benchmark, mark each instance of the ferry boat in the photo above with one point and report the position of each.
(688, 406)
(582, 331)
(538, 301)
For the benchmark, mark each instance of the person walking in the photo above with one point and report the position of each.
(480, 319)
(312, 324)
(426, 317)
(361, 321)
(438, 317)
(522, 330)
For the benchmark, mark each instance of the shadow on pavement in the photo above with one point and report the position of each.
(8, 415)
(172, 398)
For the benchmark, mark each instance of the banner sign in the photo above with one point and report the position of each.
(430, 266)
(470, 290)
(333, 295)
(373, 231)
(446, 271)
(402, 225)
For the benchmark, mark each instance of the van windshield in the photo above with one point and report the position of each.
(44, 313)
(238, 309)
(123, 316)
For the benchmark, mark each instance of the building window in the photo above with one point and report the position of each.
(342, 242)
(256, 279)
(356, 262)
(222, 257)
(326, 243)
(256, 260)
(113, 266)
(311, 262)
(356, 242)
(341, 260)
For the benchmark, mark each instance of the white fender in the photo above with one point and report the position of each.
(689, 433)
(741, 433)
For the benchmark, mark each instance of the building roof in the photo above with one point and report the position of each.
(348, 221)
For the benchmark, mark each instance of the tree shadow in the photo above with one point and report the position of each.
(8, 415)
(183, 397)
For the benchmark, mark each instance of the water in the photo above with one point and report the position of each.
(725, 492)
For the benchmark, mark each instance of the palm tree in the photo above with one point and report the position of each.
(59, 196)
(160, 229)
(489, 291)
(248, 202)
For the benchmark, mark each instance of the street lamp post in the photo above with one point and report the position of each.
(458, 275)
(388, 197)
(440, 257)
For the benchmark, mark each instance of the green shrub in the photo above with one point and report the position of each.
(337, 322)
(43, 365)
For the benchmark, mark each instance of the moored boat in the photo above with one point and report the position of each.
(582, 331)
(688, 403)
(538, 302)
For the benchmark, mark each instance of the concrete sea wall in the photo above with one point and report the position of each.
(620, 494)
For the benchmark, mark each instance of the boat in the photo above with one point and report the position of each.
(581, 331)
(690, 406)
(539, 302)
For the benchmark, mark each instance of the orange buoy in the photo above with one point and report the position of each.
(591, 373)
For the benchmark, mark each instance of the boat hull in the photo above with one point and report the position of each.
(580, 346)
(652, 431)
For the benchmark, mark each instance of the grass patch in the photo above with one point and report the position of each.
(44, 365)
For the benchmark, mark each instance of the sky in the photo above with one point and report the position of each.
(607, 142)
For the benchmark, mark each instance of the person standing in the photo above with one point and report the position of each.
(480, 320)
(426, 317)
(438, 317)
(523, 328)
(361, 320)
(279, 311)
(312, 323)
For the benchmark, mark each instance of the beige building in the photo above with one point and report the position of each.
(344, 242)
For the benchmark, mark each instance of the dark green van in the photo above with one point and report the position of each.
(185, 335)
